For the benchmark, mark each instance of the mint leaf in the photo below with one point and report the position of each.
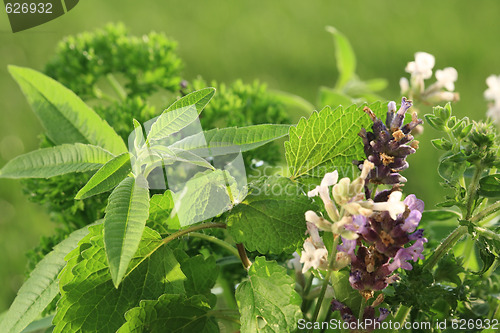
(55, 161)
(160, 217)
(64, 116)
(173, 314)
(124, 222)
(41, 287)
(267, 300)
(91, 303)
(271, 218)
(107, 177)
(328, 141)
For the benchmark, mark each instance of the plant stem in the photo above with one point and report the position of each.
(217, 241)
(202, 226)
(488, 233)
(401, 315)
(362, 308)
(471, 194)
(307, 289)
(488, 211)
(243, 256)
(333, 256)
(445, 246)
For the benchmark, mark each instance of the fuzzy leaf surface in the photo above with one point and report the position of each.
(271, 218)
(86, 277)
(124, 222)
(64, 116)
(180, 114)
(41, 287)
(107, 177)
(267, 300)
(232, 139)
(55, 161)
(328, 141)
(171, 313)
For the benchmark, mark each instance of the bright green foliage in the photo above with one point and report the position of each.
(148, 63)
(344, 54)
(64, 116)
(222, 141)
(267, 300)
(41, 287)
(171, 313)
(59, 160)
(107, 177)
(271, 218)
(160, 208)
(180, 114)
(240, 105)
(124, 222)
(324, 142)
(86, 277)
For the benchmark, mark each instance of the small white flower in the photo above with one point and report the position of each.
(422, 66)
(295, 263)
(322, 190)
(446, 78)
(318, 221)
(312, 256)
(493, 91)
(404, 84)
(394, 205)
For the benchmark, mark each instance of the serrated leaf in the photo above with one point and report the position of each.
(271, 218)
(232, 139)
(267, 300)
(55, 161)
(180, 114)
(160, 217)
(328, 141)
(107, 177)
(64, 116)
(124, 222)
(489, 186)
(91, 303)
(345, 57)
(201, 274)
(41, 287)
(486, 254)
(171, 313)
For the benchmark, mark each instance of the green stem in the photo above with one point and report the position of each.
(202, 226)
(445, 246)
(401, 315)
(117, 87)
(488, 233)
(488, 211)
(471, 194)
(362, 308)
(331, 263)
(243, 256)
(307, 289)
(217, 241)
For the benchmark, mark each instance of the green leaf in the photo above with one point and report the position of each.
(489, 186)
(55, 161)
(333, 98)
(328, 141)
(294, 102)
(40, 325)
(124, 222)
(160, 217)
(107, 177)
(487, 255)
(232, 139)
(377, 84)
(90, 302)
(267, 300)
(343, 291)
(201, 275)
(345, 57)
(173, 314)
(41, 287)
(439, 215)
(180, 114)
(64, 116)
(271, 218)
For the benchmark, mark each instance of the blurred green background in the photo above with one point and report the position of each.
(283, 43)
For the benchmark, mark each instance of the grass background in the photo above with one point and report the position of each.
(283, 43)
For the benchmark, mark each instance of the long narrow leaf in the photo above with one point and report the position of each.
(65, 117)
(55, 161)
(41, 287)
(345, 57)
(126, 215)
(180, 114)
(107, 177)
(232, 139)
